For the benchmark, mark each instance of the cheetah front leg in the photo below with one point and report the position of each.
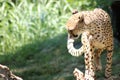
(89, 57)
(78, 74)
(108, 69)
(89, 66)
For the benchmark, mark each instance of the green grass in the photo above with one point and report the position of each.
(33, 38)
(24, 22)
(51, 61)
(43, 61)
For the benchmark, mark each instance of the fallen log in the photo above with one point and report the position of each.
(6, 74)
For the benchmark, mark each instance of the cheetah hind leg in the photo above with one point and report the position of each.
(78, 74)
(108, 69)
(97, 59)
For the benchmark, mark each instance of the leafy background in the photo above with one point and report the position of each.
(33, 38)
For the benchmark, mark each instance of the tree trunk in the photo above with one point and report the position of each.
(116, 18)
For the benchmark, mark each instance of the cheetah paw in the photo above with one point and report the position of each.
(110, 78)
(78, 74)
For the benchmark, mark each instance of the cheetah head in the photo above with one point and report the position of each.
(74, 25)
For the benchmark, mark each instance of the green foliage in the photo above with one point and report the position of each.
(25, 21)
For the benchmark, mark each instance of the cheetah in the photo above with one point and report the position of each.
(96, 36)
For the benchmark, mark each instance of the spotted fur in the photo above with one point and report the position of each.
(97, 35)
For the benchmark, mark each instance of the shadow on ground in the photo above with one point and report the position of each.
(49, 60)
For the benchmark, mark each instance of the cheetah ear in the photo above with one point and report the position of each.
(74, 11)
(87, 20)
(81, 18)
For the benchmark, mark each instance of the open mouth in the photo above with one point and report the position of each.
(74, 46)
(75, 35)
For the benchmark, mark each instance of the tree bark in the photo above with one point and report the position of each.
(6, 74)
(116, 18)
